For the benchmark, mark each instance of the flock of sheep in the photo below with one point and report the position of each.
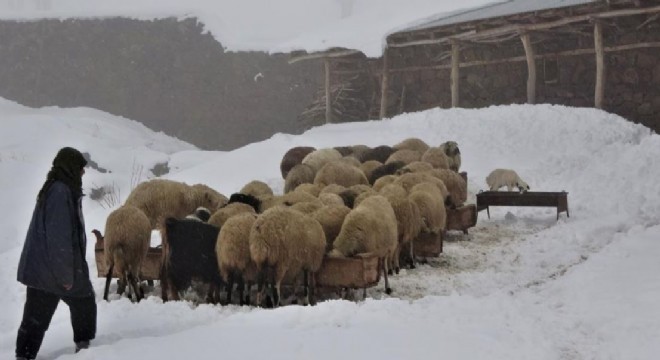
(337, 202)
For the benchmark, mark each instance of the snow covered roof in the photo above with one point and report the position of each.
(495, 9)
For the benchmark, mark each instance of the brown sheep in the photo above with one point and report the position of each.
(293, 157)
(385, 169)
(369, 228)
(369, 166)
(405, 156)
(299, 174)
(257, 189)
(160, 199)
(285, 242)
(415, 166)
(455, 184)
(412, 143)
(408, 221)
(317, 158)
(359, 152)
(379, 153)
(220, 217)
(432, 210)
(126, 242)
(312, 189)
(331, 218)
(436, 157)
(381, 182)
(340, 173)
(331, 199)
(233, 254)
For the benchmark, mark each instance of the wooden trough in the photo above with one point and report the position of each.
(462, 218)
(357, 272)
(150, 267)
(427, 245)
(558, 200)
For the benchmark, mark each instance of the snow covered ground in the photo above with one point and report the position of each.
(521, 285)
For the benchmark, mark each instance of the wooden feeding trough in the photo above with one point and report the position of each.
(462, 218)
(558, 200)
(427, 245)
(150, 266)
(358, 272)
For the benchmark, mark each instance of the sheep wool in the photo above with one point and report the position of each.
(220, 217)
(287, 241)
(412, 143)
(506, 177)
(406, 156)
(453, 153)
(436, 157)
(299, 174)
(340, 173)
(293, 157)
(233, 252)
(256, 188)
(126, 242)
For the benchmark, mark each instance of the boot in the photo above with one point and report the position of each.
(82, 345)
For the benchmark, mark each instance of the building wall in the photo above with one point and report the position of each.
(167, 74)
(632, 81)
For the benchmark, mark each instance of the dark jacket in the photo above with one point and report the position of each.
(55, 246)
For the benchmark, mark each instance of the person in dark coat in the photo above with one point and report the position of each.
(52, 264)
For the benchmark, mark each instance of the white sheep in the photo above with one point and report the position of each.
(233, 254)
(506, 177)
(453, 153)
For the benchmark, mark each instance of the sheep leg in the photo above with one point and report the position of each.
(240, 286)
(108, 279)
(133, 287)
(388, 290)
(248, 287)
(412, 255)
(230, 286)
(395, 259)
(312, 289)
(260, 286)
(306, 286)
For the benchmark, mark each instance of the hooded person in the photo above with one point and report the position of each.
(52, 263)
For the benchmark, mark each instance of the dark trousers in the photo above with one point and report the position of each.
(37, 313)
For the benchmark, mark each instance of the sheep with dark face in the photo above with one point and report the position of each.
(506, 177)
(160, 199)
(385, 169)
(233, 255)
(201, 214)
(293, 157)
(248, 199)
(379, 153)
(453, 153)
(371, 227)
(416, 166)
(126, 242)
(286, 242)
(189, 254)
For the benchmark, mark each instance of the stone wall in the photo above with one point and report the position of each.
(167, 74)
(632, 82)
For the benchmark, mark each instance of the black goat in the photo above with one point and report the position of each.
(189, 254)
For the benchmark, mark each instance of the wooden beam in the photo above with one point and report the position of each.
(328, 102)
(475, 35)
(323, 54)
(600, 65)
(531, 68)
(384, 84)
(455, 61)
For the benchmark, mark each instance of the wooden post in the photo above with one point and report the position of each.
(454, 72)
(600, 66)
(531, 68)
(384, 86)
(328, 102)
